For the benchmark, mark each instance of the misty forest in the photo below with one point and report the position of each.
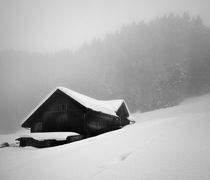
(151, 65)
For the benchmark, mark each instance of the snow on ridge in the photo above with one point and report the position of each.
(107, 107)
(89, 102)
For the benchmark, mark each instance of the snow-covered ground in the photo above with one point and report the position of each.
(166, 144)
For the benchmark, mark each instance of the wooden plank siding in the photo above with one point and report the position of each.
(62, 113)
(59, 113)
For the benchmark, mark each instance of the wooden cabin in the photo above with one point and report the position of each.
(64, 110)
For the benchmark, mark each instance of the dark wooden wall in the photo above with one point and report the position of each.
(59, 113)
(62, 113)
(123, 114)
(97, 123)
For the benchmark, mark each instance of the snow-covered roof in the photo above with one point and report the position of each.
(59, 136)
(108, 107)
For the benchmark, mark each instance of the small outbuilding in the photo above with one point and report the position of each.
(64, 110)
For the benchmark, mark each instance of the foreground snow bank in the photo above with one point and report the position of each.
(52, 135)
(166, 144)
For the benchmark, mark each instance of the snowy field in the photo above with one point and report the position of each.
(167, 144)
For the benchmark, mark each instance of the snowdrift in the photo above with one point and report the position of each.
(171, 143)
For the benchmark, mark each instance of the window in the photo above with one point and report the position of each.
(62, 107)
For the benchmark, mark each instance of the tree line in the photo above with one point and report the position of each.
(152, 65)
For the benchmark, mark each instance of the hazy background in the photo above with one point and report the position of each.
(52, 25)
(105, 49)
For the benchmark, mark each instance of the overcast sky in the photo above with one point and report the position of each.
(52, 25)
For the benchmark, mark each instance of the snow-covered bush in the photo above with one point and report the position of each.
(4, 144)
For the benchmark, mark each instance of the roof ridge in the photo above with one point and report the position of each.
(104, 106)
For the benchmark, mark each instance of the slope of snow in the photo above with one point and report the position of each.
(171, 143)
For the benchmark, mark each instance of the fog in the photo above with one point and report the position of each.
(152, 54)
(51, 25)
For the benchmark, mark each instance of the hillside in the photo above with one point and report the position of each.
(170, 143)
